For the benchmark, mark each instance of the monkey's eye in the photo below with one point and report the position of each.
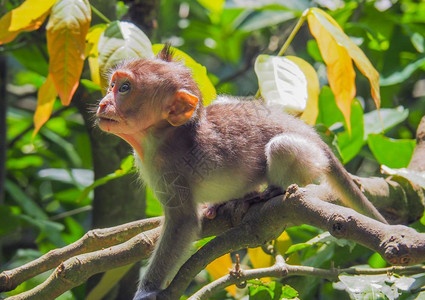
(112, 84)
(124, 88)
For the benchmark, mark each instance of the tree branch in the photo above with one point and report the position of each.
(93, 240)
(282, 269)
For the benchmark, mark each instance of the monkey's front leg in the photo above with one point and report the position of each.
(180, 229)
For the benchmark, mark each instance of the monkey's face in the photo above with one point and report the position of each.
(124, 109)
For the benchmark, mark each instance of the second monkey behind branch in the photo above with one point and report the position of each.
(189, 154)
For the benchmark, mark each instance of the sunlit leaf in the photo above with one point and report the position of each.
(26, 17)
(312, 108)
(391, 152)
(153, 207)
(341, 75)
(67, 28)
(92, 52)
(215, 7)
(376, 261)
(125, 168)
(282, 82)
(383, 286)
(404, 74)
(350, 143)
(121, 40)
(107, 282)
(386, 119)
(411, 175)
(260, 259)
(199, 73)
(28, 205)
(220, 267)
(259, 19)
(45, 99)
(362, 62)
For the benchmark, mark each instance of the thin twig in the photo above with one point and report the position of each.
(282, 269)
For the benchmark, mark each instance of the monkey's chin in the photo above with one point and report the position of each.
(108, 125)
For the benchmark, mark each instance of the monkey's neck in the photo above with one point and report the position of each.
(164, 133)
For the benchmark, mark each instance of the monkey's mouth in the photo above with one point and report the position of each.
(106, 119)
(107, 123)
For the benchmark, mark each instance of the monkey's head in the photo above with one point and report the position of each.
(148, 92)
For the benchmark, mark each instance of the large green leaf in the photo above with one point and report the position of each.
(350, 144)
(412, 175)
(383, 120)
(391, 152)
(402, 75)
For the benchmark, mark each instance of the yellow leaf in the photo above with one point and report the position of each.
(92, 52)
(199, 73)
(362, 62)
(66, 33)
(340, 70)
(312, 109)
(260, 259)
(108, 281)
(45, 99)
(26, 17)
(28, 13)
(219, 268)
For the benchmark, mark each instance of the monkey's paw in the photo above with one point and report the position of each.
(145, 295)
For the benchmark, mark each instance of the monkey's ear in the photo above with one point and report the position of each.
(182, 107)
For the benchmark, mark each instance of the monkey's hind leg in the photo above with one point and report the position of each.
(294, 158)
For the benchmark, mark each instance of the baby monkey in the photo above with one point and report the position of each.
(190, 154)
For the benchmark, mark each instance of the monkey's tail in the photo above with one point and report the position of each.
(350, 193)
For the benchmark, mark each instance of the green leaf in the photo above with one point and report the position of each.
(23, 162)
(322, 238)
(153, 207)
(374, 286)
(330, 138)
(8, 221)
(351, 144)
(125, 168)
(329, 113)
(260, 293)
(389, 117)
(203, 242)
(411, 175)
(25, 202)
(418, 42)
(404, 74)
(259, 19)
(107, 282)
(391, 152)
(90, 85)
(376, 261)
(288, 292)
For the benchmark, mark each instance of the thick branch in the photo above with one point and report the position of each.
(78, 269)
(93, 240)
(398, 244)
